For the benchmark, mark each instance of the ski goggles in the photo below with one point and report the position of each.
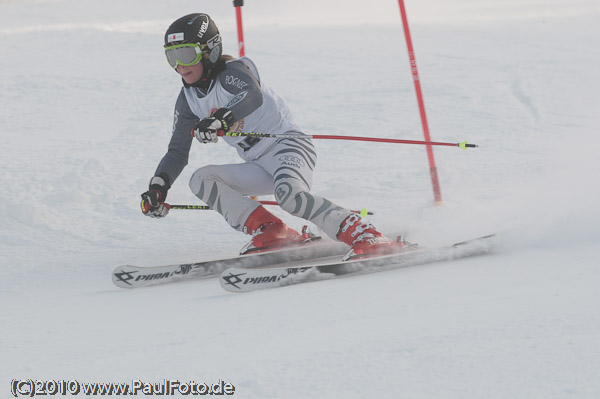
(183, 54)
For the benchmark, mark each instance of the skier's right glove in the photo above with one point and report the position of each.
(153, 200)
(207, 130)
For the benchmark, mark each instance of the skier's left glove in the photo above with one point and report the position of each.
(208, 129)
(153, 200)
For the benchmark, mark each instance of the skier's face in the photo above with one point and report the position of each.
(190, 74)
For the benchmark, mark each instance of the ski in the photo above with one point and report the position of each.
(237, 279)
(129, 276)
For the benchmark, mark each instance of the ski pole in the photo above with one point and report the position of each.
(463, 145)
(363, 212)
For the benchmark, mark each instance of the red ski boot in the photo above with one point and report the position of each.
(364, 239)
(270, 233)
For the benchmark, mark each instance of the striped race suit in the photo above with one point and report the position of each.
(283, 167)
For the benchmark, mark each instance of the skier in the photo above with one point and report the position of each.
(222, 94)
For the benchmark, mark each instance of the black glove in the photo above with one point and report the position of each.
(206, 131)
(153, 200)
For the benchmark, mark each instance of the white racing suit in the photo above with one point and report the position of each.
(282, 167)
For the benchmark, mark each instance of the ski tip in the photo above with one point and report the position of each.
(482, 239)
(121, 276)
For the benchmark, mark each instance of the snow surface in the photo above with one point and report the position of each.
(86, 102)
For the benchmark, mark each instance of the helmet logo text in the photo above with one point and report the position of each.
(203, 29)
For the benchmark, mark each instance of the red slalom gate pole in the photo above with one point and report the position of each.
(238, 14)
(413, 67)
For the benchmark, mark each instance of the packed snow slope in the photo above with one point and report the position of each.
(86, 102)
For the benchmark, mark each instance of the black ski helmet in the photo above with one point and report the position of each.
(200, 29)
